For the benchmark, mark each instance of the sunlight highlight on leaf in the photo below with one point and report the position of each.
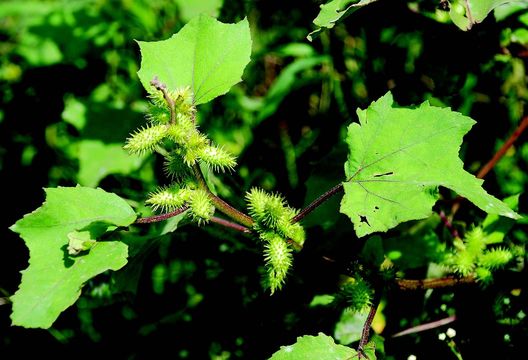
(398, 158)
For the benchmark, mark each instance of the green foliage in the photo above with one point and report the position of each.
(54, 278)
(70, 97)
(395, 167)
(320, 347)
(467, 13)
(333, 11)
(207, 55)
(355, 294)
(470, 257)
(272, 214)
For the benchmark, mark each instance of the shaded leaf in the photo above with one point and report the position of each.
(97, 160)
(206, 55)
(53, 280)
(398, 158)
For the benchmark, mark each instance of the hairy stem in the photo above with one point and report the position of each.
(220, 204)
(162, 217)
(321, 199)
(365, 333)
(163, 88)
(423, 284)
(230, 225)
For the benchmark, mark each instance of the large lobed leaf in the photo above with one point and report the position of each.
(205, 54)
(398, 158)
(320, 347)
(53, 280)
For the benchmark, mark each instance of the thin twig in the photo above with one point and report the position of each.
(406, 284)
(327, 195)
(504, 148)
(495, 159)
(449, 225)
(162, 217)
(230, 224)
(427, 326)
(163, 88)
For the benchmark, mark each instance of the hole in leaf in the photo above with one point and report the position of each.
(363, 219)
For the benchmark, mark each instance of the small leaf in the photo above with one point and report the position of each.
(333, 11)
(320, 347)
(79, 241)
(206, 55)
(53, 280)
(398, 158)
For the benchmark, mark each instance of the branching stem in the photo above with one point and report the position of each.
(220, 204)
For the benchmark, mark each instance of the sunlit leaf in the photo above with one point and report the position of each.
(398, 159)
(320, 347)
(53, 280)
(206, 55)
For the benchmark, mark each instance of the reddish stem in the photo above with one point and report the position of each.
(504, 148)
(327, 195)
(230, 225)
(162, 217)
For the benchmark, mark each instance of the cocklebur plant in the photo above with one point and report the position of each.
(392, 175)
(471, 257)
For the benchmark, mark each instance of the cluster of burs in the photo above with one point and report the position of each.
(172, 132)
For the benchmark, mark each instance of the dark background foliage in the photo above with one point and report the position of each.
(196, 293)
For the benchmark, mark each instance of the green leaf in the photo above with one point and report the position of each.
(350, 326)
(466, 13)
(53, 280)
(192, 8)
(398, 158)
(320, 347)
(97, 160)
(333, 11)
(206, 55)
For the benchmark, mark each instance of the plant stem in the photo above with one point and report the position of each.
(220, 204)
(162, 217)
(426, 326)
(504, 148)
(163, 88)
(406, 284)
(321, 199)
(231, 225)
(449, 225)
(368, 323)
(495, 159)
